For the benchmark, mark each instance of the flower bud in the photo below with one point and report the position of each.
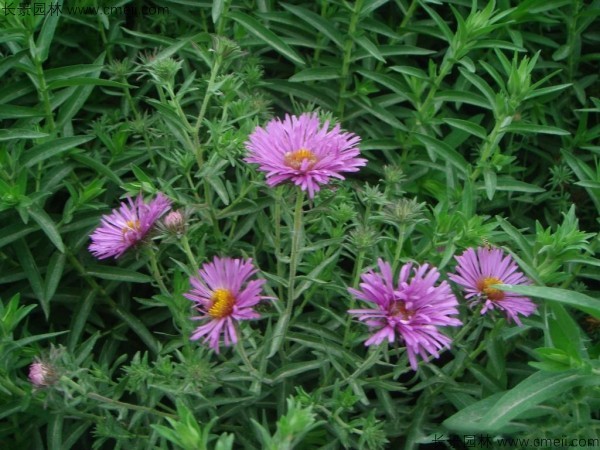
(41, 374)
(175, 222)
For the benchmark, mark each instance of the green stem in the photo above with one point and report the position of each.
(284, 319)
(422, 108)
(156, 271)
(367, 363)
(254, 372)
(211, 210)
(209, 90)
(277, 243)
(188, 251)
(399, 245)
(491, 143)
(445, 69)
(358, 265)
(101, 398)
(294, 258)
(348, 45)
(44, 96)
(409, 13)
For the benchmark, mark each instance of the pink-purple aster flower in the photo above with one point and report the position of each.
(223, 295)
(414, 308)
(478, 270)
(301, 150)
(127, 226)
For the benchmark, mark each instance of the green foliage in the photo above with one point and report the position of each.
(477, 119)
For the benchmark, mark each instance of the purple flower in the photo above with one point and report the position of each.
(127, 226)
(414, 308)
(223, 295)
(41, 374)
(477, 271)
(300, 150)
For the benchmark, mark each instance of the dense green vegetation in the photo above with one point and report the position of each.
(479, 123)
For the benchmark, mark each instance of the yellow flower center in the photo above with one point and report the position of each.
(484, 284)
(223, 301)
(297, 158)
(399, 309)
(131, 226)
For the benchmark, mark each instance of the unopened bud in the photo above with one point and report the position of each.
(175, 222)
(41, 374)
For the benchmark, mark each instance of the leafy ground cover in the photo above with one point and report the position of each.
(194, 195)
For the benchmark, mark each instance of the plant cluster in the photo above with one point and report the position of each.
(336, 224)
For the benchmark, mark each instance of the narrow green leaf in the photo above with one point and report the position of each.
(464, 97)
(525, 128)
(118, 274)
(85, 349)
(20, 133)
(8, 62)
(497, 43)
(97, 166)
(389, 81)
(52, 148)
(74, 71)
(293, 369)
(381, 113)
(265, 35)
(86, 82)
(78, 96)
(588, 184)
(32, 272)
(16, 89)
(565, 332)
(441, 24)
(530, 392)
(279, 333)
(318, 22)
(562, 52)
(320, 344)
(55, 431)
(316, 74)
(217, 10)
(584, 172)
(411, 71)
(468, 126)
(245, 207)
(74, 433)
(510, 184)
(467, 205)
(489, 179)
(577, 299)
(138, 327)
(547, 90)
(369, 47)
(47, 225)
(18, 112)
(44, 39)
(10, 408)
(480, 84)
(218, 186)
(444, 151)
(516, 236)
(80, 319)
(38, 337)
(56, 266)
(302, 91)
